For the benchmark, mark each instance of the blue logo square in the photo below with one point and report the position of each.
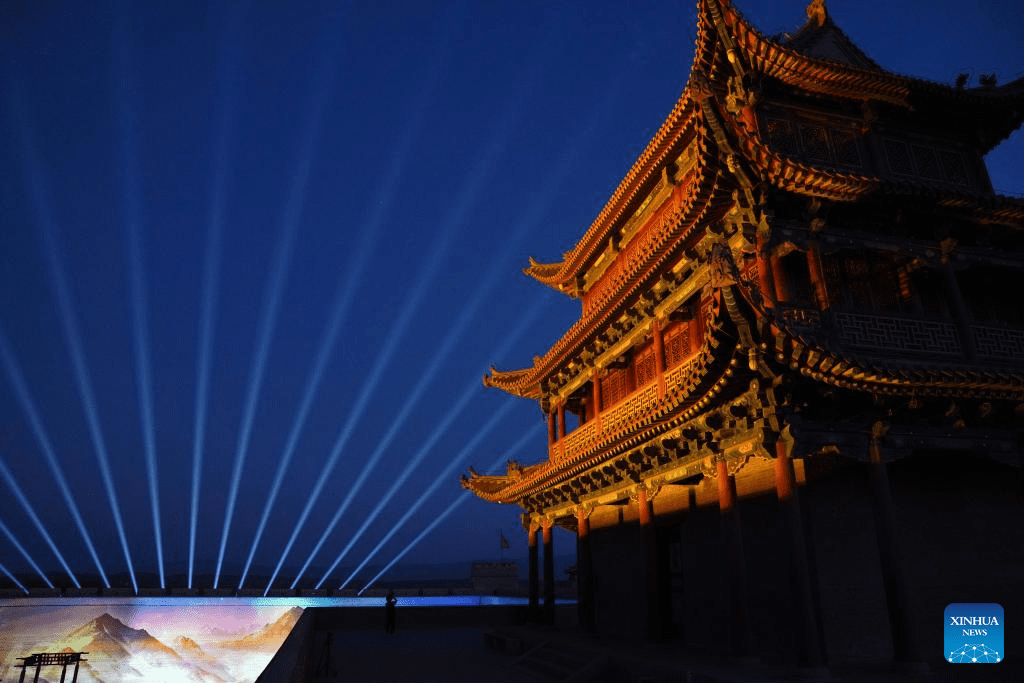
(973, 633)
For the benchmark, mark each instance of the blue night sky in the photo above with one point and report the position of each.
(266, 236)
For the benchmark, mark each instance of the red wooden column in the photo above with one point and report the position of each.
(549, 574)
(817, 276)
(648, 536)
(561, 429)
(659, 356)
(743, 638)
(584, 563)
(762, 270)
(552, 427)
(904, 642)
(534, 578)
(811, 654)
(595, 381)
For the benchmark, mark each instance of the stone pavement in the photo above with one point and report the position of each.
(420, 655)
(441, 654)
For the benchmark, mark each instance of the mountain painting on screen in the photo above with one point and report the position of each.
(269, 636)
(207, 646)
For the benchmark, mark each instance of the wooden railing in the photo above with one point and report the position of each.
(634, 406)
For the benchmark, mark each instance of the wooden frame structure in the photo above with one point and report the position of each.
(806, 276)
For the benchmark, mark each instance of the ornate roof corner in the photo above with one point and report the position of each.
(484, 485)
(496, 488)
(550, 274)
(516, 382)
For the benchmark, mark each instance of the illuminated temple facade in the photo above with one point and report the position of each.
(788, 423)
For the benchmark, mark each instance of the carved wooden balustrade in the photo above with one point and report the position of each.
(906, 334)
(614, 419)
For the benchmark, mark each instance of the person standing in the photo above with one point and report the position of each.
(389, 612)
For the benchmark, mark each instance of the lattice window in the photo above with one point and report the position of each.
(858, 280)
(644, 367)
(782, 137)
(953, 166)
(885, 286)
(832, 271)
(898, 154)
(815, 139)
(864, 281)
(846, 149)
(677, 344)
(927, 162)
(614, 386)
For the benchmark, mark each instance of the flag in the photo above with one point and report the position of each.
(504, 541)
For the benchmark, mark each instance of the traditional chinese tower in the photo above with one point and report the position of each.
(788, 423)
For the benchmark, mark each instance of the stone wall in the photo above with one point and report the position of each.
(958, 526)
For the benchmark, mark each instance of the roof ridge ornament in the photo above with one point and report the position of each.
(817, 13)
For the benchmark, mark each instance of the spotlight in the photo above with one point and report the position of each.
(10, 576)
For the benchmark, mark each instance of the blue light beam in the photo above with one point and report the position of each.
(327, 343)
(10, 576)
(433, 262)
(28, 405)
(535, 213)
(381, 204)
(467, 195)
(425, 381)
(341, 303)
(72, 336)
(290, 218)
(14, 541)
(459, 500)
(446, 476)
(413, 401)
(228, 62)
(130, 199)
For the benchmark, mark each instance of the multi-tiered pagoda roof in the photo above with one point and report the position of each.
(765, 128)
